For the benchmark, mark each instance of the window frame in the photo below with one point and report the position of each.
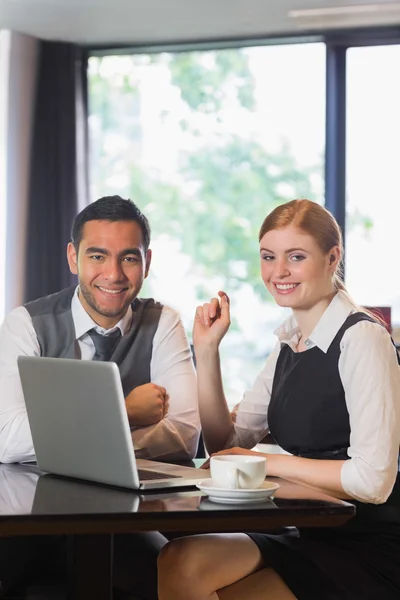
(337, 43)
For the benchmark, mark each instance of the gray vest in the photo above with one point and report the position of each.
(54, 326)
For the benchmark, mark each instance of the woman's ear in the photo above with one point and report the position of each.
(334, 257)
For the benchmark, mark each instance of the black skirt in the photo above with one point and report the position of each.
(335, 564)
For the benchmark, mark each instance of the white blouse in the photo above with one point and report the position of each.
(370, 376)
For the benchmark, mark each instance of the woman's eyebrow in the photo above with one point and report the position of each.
(295, 250)
(286, 251)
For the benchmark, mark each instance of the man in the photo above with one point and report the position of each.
(110, 254)
(103, 319)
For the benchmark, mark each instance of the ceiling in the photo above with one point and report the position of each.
(136, 22)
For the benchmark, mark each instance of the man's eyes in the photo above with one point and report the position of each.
(128, 259)
(131, 259)
(96, 257)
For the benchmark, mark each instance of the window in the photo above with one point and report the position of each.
(373, 180)
(207, 143)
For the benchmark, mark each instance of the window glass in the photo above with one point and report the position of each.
(373, 176)
(207, 143)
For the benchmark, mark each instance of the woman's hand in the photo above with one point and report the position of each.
(211, 322)
(236, 450)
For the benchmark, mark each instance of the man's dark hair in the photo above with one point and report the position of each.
(110, 208)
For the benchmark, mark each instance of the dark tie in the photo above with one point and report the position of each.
(104, 344)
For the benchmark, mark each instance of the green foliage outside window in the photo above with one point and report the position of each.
(225, 186)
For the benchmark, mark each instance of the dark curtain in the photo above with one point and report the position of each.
(59, 145)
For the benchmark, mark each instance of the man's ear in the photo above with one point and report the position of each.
(72, 258)
(148, 262)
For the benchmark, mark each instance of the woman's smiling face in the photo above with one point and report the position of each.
(294, 269)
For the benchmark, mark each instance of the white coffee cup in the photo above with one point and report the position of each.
(237, 471)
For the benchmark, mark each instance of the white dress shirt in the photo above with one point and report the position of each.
(17, 489)
(175, 437)
(370, 376)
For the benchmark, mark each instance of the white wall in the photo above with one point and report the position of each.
(4, 62)
(18, 66)
(129, 22)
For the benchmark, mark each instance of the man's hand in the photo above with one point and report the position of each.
(146, 405)
(234, 412)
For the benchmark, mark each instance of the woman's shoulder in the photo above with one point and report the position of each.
(368, 332)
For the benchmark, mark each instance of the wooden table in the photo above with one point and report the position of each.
(35, 504)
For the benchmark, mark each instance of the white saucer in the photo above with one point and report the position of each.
(208, 504)
(237, 496)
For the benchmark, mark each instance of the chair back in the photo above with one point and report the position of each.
(384, 313)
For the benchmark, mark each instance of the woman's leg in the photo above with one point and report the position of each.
(135, 563)
(265, 584)
(194, 568)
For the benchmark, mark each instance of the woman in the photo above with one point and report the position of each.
(330, 395)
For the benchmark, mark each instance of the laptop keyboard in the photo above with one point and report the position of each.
(148, 475)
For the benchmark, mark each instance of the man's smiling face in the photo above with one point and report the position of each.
(111, 264)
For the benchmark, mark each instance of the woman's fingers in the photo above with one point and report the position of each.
(223, 294)
(225, 311)
(207, 313)
(199, 314)
(211, 311)
(235, 450)
(214, 308)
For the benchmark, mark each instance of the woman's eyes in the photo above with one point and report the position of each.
(297, 257)
(292, 257)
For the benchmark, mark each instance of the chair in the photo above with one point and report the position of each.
(201, 451)
(384, 313)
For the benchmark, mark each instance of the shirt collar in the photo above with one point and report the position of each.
(325, 330)
(289, 332)
(83, 322)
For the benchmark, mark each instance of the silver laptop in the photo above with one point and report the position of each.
(77, 415)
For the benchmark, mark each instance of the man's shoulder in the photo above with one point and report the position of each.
(164, 317)
(167, 312)
(170, 313)
(53, 303)
(147, 304)
(170, 322)
(18, 315)
(17, 329)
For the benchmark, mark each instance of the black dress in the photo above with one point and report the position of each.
(308, 417)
